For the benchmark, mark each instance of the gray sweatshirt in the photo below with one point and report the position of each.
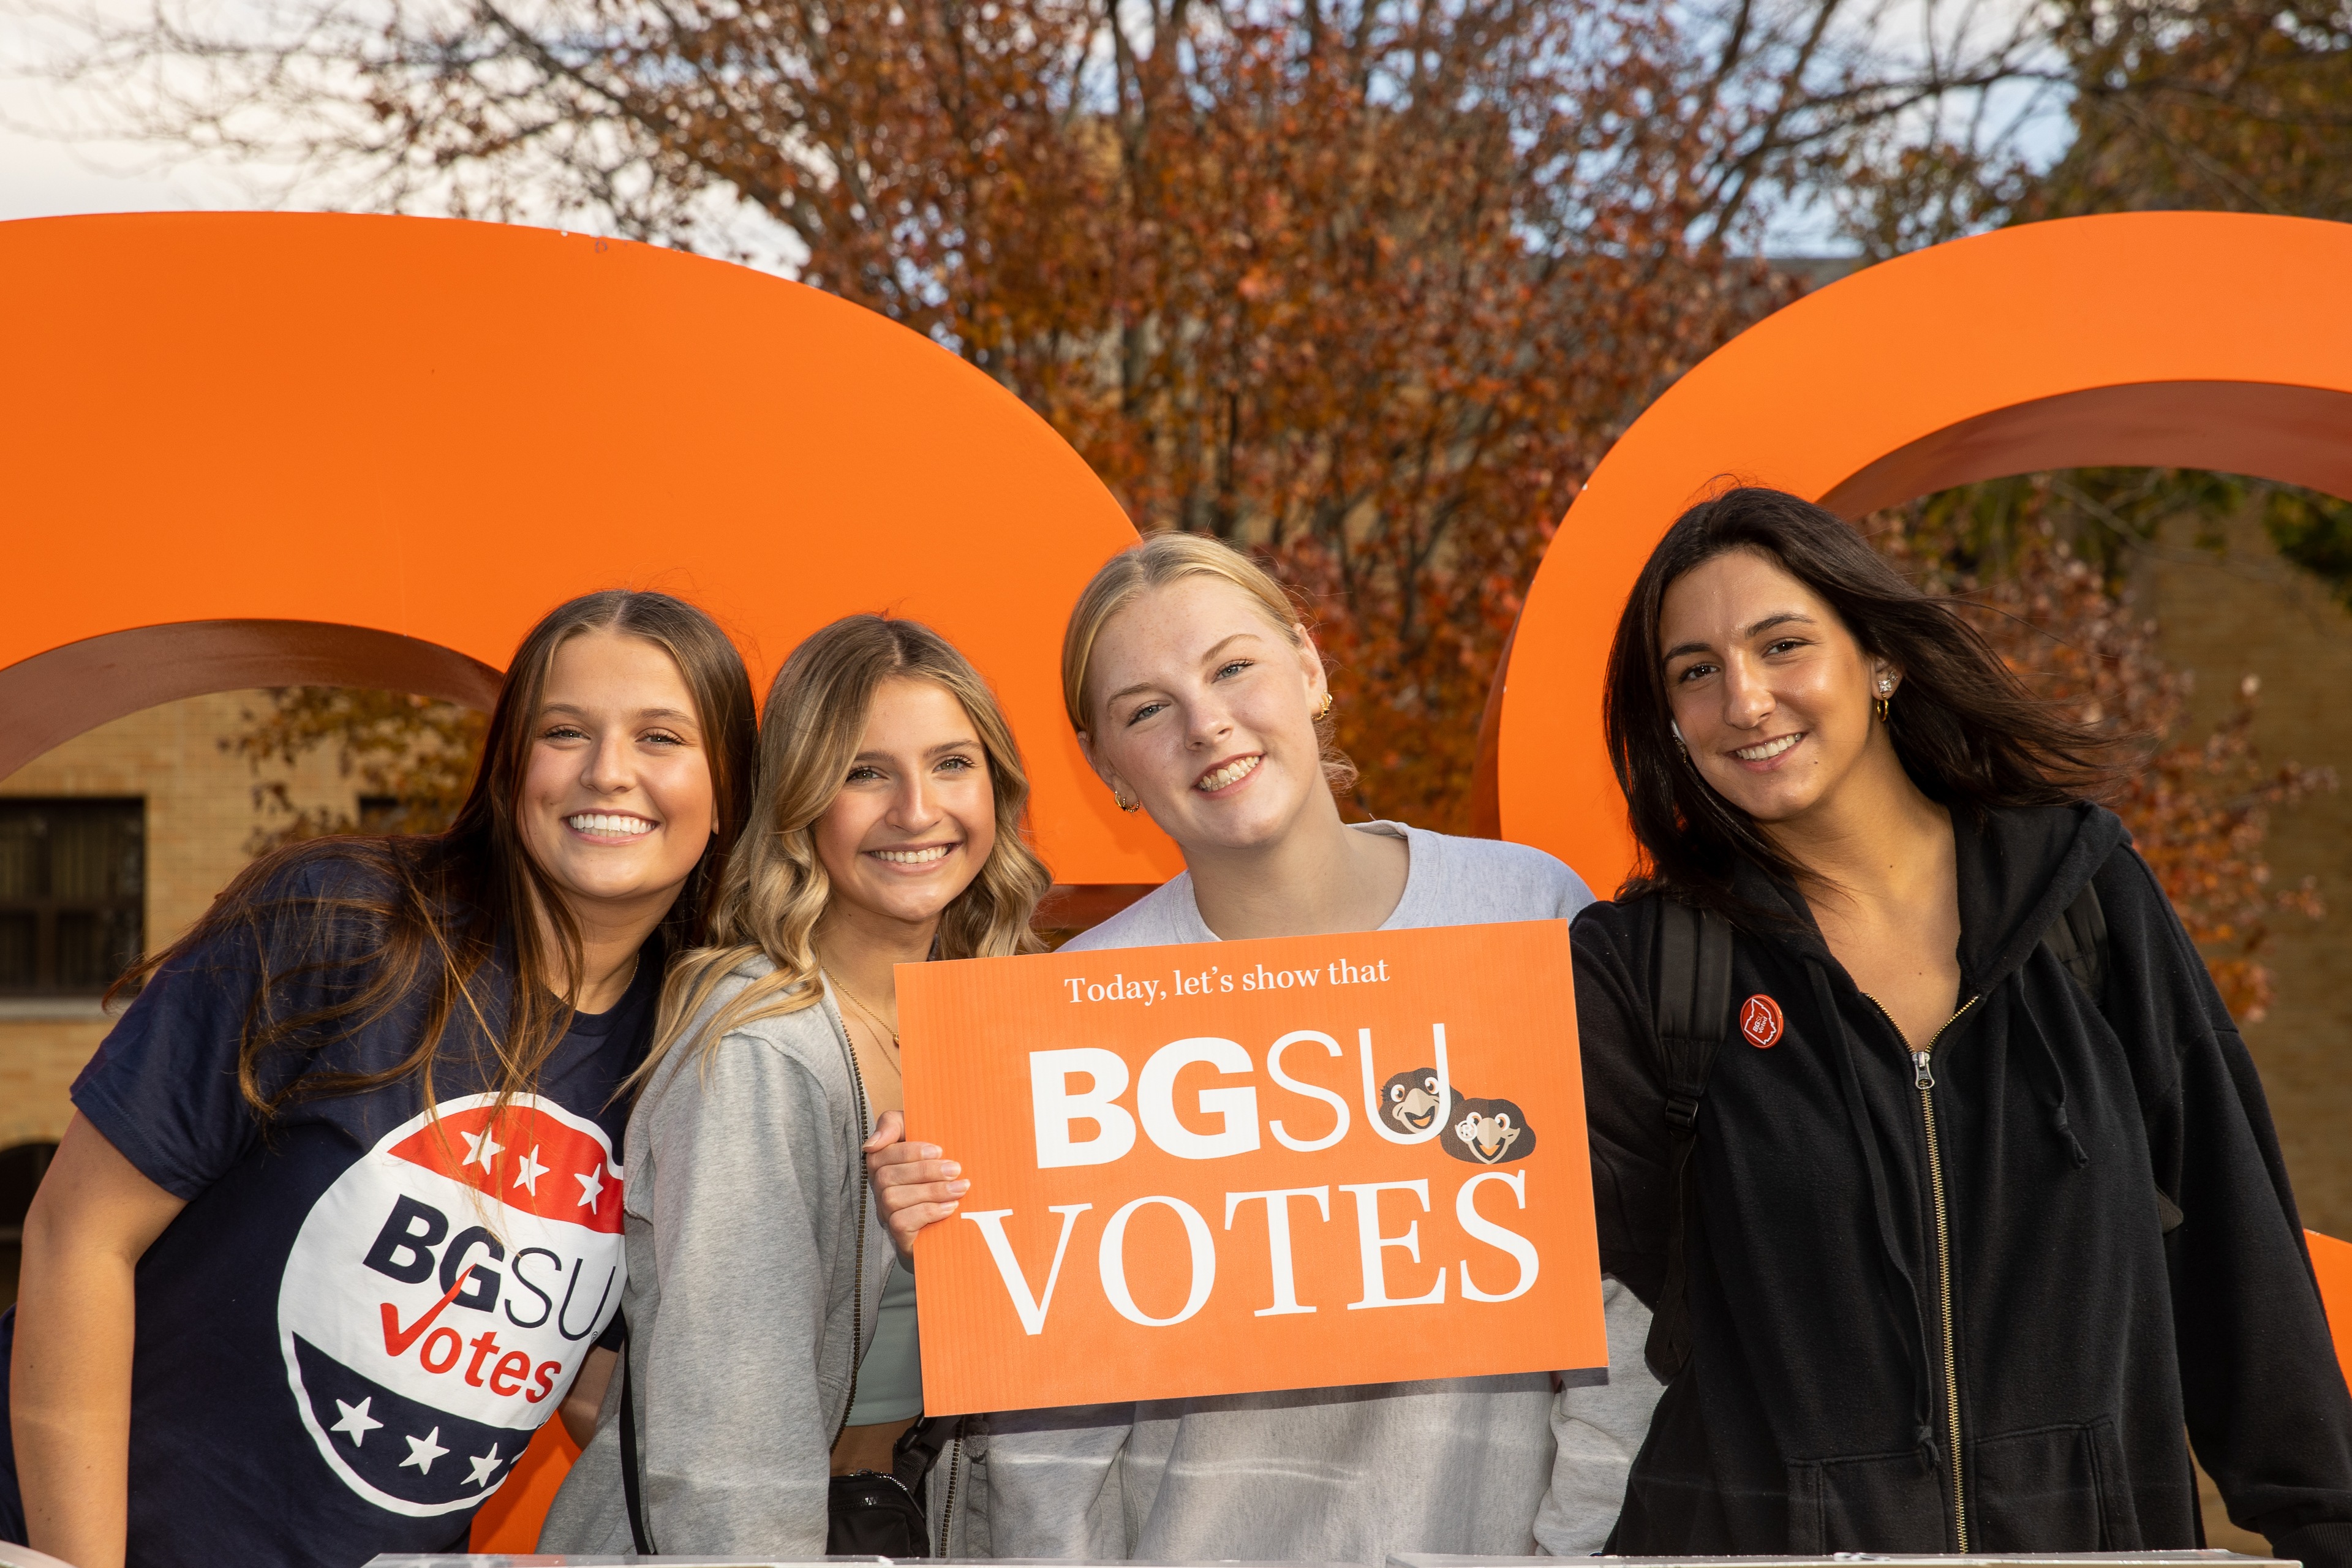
(740, 1205)
(1493, 1465)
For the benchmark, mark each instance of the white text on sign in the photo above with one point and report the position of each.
(1410, 1107)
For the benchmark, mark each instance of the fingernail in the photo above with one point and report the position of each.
(950, 1168)
(959, 1188)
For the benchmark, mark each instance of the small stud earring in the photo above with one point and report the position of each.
(1885, 689)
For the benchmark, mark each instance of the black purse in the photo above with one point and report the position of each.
(869, 1514)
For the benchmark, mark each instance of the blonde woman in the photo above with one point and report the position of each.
(1199, 697)
(771, 1329)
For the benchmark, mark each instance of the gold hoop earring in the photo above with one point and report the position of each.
(1324, 711)
(1124, 802)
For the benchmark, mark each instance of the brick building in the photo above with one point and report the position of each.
(110, 845)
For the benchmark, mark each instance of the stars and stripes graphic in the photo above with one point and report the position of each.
(507, 1156)
(443, 1291)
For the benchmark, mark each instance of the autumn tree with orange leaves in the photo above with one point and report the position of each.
(1366, 287)
(2199, 806)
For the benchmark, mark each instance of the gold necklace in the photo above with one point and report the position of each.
(867, 1008)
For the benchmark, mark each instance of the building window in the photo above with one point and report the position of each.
(73, 877)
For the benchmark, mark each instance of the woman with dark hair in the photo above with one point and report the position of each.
(337, 1219)
(1915, 1115)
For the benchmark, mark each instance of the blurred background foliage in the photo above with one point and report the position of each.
(413, 758)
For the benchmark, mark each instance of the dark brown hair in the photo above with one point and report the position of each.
(1968, 731)
(347, 932)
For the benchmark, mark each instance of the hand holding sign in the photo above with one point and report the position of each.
(1297, 1163)
(914, 1184)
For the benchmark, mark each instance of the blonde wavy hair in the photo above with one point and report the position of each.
(776, 888)
(1157, 562)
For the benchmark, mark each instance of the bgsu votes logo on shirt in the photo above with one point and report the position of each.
(442, 1293)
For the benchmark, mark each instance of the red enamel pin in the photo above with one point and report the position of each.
(1759, 1021)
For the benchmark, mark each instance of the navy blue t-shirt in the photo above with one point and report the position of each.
(351, 1332)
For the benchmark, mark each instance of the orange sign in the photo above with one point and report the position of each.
(1299, 1162)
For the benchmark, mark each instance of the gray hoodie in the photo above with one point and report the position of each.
(1492, 1465)
(742, 1207)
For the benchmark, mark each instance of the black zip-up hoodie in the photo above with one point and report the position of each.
(1816, 1412)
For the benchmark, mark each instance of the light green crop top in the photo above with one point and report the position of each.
(890, 1378)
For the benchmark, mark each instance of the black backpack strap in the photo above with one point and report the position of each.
(1693, 1015)
(2078, 939)
(630, 1485)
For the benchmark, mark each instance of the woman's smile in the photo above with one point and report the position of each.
(914, 857)
(1765, 756)
(609, 827)
(1226, 775)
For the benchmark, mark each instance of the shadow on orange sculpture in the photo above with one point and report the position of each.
(255, 449)
(2192, 340)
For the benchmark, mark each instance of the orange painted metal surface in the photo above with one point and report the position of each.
(241, 450)
(2331, 1260)
(2199, 340)
(511, 1521)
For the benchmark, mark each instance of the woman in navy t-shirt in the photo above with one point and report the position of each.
(337, 1217)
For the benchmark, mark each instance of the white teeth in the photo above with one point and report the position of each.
(1232, 773)
(914, 857)
(1768, 750)
(610, 825)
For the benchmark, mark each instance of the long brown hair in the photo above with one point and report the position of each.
(346, 931)
(777, 888)
(1970, 733)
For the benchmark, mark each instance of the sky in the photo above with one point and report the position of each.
(45, 170)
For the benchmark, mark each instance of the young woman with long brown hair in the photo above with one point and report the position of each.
(337, 1217)
(772, 1341)
(1198, 696)
(1948, 1175)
